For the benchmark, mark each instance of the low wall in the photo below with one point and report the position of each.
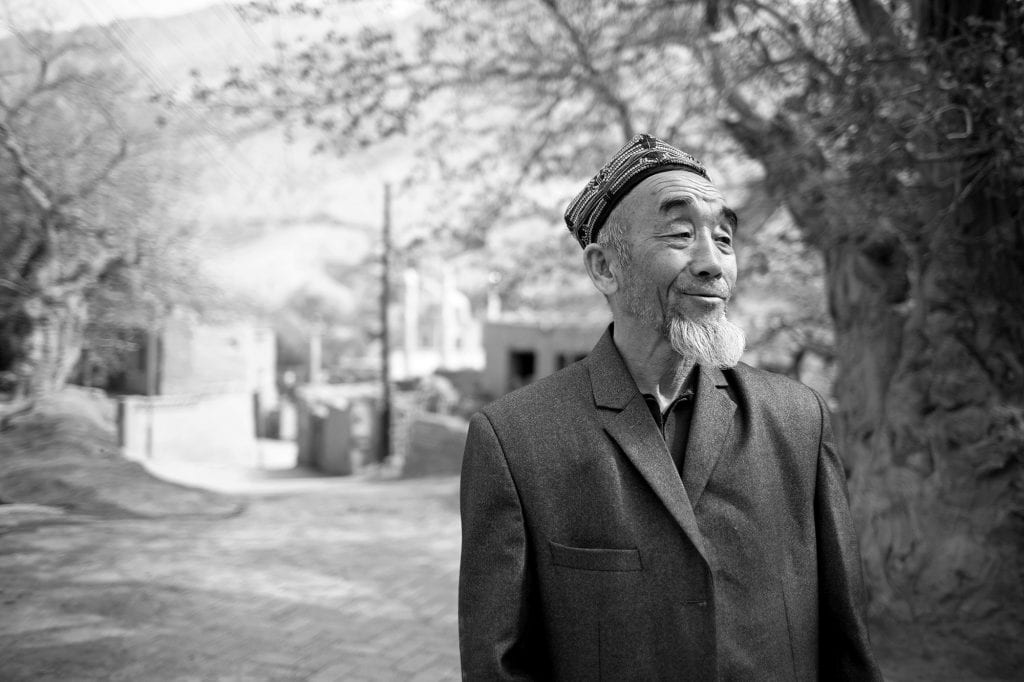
(434, 446)
(338, 427)
(209, 428)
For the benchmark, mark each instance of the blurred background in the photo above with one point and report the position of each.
(285, 239)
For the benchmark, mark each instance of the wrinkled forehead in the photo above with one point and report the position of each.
(679, 185)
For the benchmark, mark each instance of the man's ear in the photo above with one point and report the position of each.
(598, 260)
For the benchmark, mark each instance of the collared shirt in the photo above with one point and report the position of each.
(674, 424)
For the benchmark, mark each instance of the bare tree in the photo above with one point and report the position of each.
(76, 197)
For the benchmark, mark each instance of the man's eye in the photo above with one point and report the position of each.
(725, 239)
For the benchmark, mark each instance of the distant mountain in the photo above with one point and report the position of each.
(273, 213)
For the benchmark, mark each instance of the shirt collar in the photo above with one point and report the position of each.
(613, 384)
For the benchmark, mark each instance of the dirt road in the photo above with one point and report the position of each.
(343, 579)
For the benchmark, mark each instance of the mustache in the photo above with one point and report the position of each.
(717, 288)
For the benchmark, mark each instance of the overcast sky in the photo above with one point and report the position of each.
(65, 14)
(91, 11)
(69, 14)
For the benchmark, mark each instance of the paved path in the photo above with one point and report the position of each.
(318, 579)
(323, 579)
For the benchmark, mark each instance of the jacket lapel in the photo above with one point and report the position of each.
(625, 417)
(713, 413)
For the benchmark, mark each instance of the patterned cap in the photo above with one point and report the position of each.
(642, 157)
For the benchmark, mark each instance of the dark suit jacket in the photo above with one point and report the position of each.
(585, 557)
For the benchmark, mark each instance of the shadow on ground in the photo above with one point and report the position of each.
(62, 453)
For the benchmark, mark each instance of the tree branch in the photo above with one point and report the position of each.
(89, 186)
(596, 79)
(874, 20)
(789, 30)
(40, 88)
(33, 183)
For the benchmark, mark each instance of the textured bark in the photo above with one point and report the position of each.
(42, 343)
(930, 393)
(930, 355)
(62, 141)
(940, 479)
(942, 468)
(42, 321)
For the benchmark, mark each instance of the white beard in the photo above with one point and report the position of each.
(711, 342)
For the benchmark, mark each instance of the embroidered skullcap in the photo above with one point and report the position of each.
(640, 158)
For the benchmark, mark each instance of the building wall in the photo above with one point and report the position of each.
(553, 346)
(212, 383)
(209, 429)
(207, 358)
(194, 357)
(434, 327)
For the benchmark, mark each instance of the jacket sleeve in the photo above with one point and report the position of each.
(499, 638)
(844, 645)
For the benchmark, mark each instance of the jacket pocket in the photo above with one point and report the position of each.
(595, 559)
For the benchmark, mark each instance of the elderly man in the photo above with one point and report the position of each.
(659, 511)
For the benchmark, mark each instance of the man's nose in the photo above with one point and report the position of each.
(706, 261)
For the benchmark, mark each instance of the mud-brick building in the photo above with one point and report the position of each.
(199, 390)
(521, 348)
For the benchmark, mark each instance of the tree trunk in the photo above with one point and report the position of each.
(930, 391)
(931, 416)
(940, 481)
(43, 343)
(935, 410)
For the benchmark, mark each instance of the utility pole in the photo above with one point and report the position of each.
(385, 335)
(316, 351)
(152, 378)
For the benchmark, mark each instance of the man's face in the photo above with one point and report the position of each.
(680, 238)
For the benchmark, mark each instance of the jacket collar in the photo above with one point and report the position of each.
(713, 411)
(627, 420)
(612, 383)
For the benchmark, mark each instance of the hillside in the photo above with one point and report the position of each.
(271, 211)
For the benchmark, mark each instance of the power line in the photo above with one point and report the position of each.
(119, 34)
